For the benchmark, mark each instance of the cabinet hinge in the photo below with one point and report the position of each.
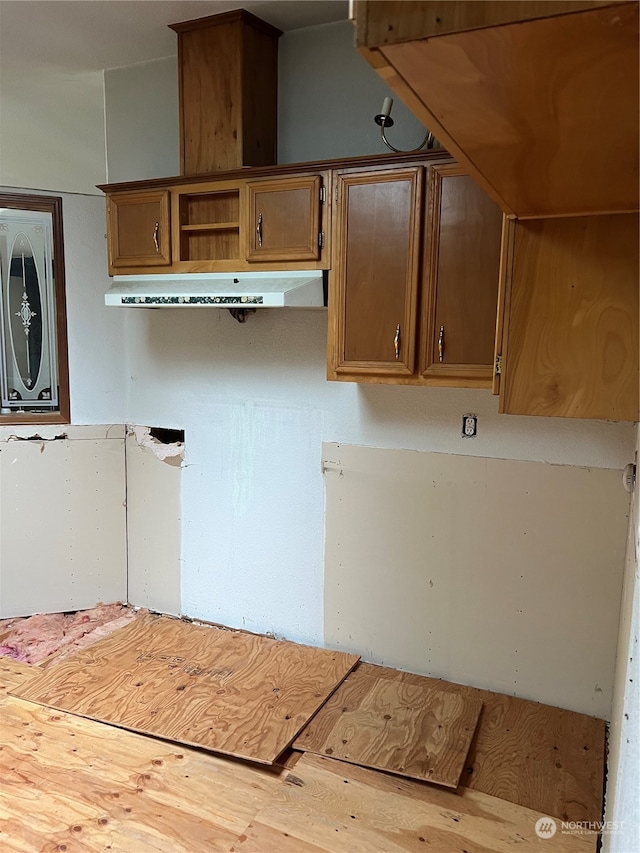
(336, 193)
(498, 370)
(323, 195)
(321, 239)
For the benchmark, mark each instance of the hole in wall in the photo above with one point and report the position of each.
(167, 436)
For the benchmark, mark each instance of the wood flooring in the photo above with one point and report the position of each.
(227, 691)
(544, 758)
(327, 806)
(74, 785)
(376, 719)
(71, 784)
(78, 785)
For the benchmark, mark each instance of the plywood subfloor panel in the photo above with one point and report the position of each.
(546, 759)
(327, 806)
(13, 676)
(83, 787)
(226, 691)
(376, 719)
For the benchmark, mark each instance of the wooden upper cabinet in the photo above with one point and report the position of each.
(570, 341)
(284, 219)
(138, 229)
(228, 88)
(376, 245)
(461, 279)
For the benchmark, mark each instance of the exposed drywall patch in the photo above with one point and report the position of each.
(153, 523)
(507, 574)
(47, 432)
(39, 438)
(75, 491)
(171, 452)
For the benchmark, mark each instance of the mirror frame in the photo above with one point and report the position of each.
(52, 205)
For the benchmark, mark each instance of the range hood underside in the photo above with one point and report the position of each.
(291, 289)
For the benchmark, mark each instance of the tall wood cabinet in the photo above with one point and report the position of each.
(462, 265)
(228, 92)
(373, 304)
(415, 278)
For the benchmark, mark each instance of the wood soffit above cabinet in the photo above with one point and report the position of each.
(543, 113)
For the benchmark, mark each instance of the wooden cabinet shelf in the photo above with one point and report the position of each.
(212, 226)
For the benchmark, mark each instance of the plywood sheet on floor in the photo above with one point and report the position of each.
(327, 806)
(14, 675)
(223, 690)
(543, 758)
(72, 784)
(377, 719)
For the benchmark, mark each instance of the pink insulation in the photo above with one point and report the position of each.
(34, 638)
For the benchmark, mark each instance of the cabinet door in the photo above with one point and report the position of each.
(376, 247)
(138, 229)
(284, 219)
(462, 267)
(570, 343)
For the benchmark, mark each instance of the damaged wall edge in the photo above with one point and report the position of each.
(167, 445)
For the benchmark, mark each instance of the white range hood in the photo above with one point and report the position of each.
(245, 290)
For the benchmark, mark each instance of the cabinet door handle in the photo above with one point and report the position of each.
(396, 342)
(259, 229)
(441, 344)
(155, 236)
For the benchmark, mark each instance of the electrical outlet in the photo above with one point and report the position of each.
(469, 426)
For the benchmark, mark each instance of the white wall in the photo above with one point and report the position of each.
(141, 102)
(51, 128)
(98, 372)
(255, 407)
(623, 776)
(328, 96)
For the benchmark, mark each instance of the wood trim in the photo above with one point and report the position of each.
(53, 205)
(504, 292)
(393, 21)
(372, 161)
(231, 17)
(473, 372)
(430, 272)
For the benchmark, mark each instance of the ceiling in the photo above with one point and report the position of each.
(90, 35)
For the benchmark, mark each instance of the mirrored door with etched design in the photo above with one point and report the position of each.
(30, 326)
